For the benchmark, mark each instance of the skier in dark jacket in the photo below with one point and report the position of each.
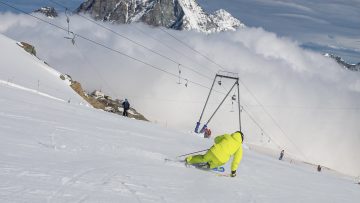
(126, 107)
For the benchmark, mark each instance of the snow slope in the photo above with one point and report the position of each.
(54, 151)
(296, 87)
(24, 71)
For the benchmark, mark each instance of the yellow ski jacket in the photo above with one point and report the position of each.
(227, 145)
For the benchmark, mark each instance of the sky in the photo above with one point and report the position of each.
(322, 25)
(30, 5)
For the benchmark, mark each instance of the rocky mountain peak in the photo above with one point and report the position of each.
(343, 63)
(47, 11)
(175, 14)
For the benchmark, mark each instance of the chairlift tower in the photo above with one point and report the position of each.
(221, 75)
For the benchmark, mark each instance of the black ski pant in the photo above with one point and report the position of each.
(125, 113)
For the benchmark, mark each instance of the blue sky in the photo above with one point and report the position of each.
(30, 5)
(322, 25)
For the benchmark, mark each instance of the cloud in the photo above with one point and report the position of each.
(287, 4)
(312, 102)
(303, 17)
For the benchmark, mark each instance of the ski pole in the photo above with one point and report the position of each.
(193, 152)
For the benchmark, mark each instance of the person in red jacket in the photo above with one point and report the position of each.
(225, 146)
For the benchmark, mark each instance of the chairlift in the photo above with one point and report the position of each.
(179, 82)
(219, 82)
(72, 38)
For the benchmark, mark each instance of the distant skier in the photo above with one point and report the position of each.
(281, 155)
(225, 146)
(319, 168)
(126, 107)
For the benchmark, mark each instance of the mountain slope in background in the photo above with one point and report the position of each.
(175, 14)
(343, 63)
(47, 11)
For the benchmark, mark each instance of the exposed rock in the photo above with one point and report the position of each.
(76, 86)
(99, 100)
(343, 63)
(28, 47)
(98, 94)
(47, 11)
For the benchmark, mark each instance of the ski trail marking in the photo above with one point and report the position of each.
(29, 90)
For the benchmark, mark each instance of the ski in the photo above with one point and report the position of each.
(203, 167)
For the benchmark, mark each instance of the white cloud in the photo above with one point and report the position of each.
(303, 17)
(287, 4)
(310, 96)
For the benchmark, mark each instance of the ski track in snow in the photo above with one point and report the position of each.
(29, 90)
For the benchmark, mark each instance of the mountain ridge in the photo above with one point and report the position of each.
(174, 14)
(343, 63)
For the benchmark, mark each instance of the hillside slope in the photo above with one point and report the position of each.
(19, 68)
(58, 152)
(53, 151)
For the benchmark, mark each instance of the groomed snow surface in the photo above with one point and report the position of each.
(52, 151)
(55, 151)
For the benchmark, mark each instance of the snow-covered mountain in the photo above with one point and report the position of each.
(55, 151)
(343, 63)
(47, 11)
(176, 14)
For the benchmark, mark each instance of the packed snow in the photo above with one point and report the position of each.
(55, 151)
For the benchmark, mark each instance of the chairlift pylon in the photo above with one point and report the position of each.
(236, 83)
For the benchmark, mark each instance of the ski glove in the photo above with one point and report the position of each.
(233, 173)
